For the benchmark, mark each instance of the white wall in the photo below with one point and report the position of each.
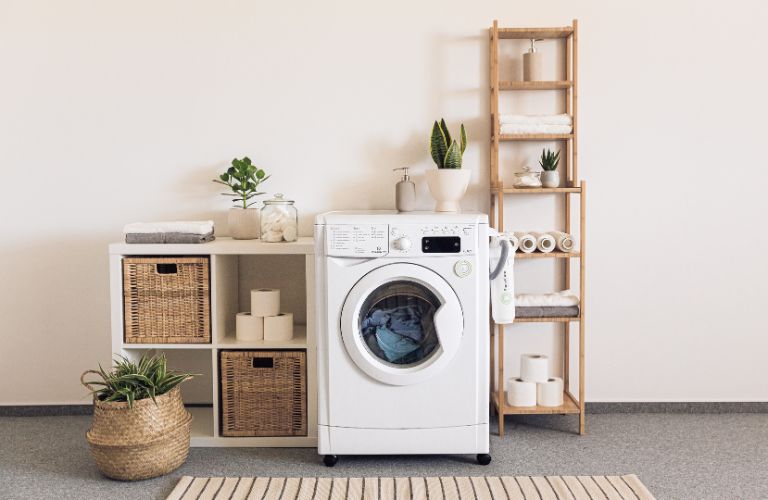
(112, 112)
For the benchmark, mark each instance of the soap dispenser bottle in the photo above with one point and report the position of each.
(532, 63)
(405, 192)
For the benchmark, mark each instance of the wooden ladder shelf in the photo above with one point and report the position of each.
(573, 187)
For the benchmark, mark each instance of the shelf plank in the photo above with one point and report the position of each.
(569, 406)
(143, 347)
(528, 33)
(554, 319)
(542, 85)
(550, 255)
(536, 190)
(299, 341)
(535, 137)
(305, 245)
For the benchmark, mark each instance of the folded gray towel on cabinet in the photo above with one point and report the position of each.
(169, 238)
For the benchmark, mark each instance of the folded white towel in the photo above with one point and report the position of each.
(561, 119)
(558, 299)
(534, 128)
(189, 227)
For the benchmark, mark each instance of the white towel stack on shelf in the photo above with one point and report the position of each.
(534, 386)
(536, 124)
(265, 321)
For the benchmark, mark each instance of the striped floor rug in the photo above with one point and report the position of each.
(412, 488)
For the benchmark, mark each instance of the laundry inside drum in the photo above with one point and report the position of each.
(397, 323)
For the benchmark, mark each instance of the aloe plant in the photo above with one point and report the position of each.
(446, 152)
(549, 160)
(131, 381)
(243, 178)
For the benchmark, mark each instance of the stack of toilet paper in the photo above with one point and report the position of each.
(265, 321)
(534, 385)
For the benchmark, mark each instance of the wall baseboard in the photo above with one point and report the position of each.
(593, 408)
(680, 407)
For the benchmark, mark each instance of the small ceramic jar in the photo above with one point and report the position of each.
(279, 220)
(527, 178)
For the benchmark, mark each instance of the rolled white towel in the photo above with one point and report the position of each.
(513, 241)
(189, 227)
(557, 299)
(545, 242)
(534, 128)
(563, 240)
(527, 242)
(561, 119)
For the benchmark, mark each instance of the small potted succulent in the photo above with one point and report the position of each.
(449, 182)
(243, 178)
(140, 427)
(550, 177)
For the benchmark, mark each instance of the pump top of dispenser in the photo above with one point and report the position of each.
(533, 44)
(405, 173)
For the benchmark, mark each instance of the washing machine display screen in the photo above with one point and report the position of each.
(441, 244)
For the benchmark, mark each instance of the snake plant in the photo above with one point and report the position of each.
(446, 152)
(549, 160)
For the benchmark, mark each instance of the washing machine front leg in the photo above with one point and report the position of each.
(330, 460)
(483, 458)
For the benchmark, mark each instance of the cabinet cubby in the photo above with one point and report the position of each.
(236, 267)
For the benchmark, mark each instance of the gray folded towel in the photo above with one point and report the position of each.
(169, 238)
(547, 312)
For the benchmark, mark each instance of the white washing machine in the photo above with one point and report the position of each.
(403, 341)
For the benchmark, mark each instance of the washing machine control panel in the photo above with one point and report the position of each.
(357, 240)
(440, 239)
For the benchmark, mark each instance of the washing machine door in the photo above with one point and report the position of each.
(402, 324)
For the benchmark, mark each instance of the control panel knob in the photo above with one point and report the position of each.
(402, 243)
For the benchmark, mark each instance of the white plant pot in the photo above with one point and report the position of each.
(550, 178)
(243, 223)
(447, 186)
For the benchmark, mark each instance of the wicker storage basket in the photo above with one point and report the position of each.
(145, 441)
(167, 300)
(263, 393)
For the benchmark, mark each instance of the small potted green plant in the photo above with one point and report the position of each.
(550, 177)
(140, 427)
(243, 179)
(449, 182)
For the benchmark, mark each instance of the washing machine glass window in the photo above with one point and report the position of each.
(397, 324)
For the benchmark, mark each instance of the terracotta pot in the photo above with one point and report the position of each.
(447, 186)
(243, 223)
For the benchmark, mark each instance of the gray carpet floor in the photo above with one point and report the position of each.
(678, 456)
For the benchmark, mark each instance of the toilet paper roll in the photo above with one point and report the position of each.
(564, 241)
(278, 327)
(521, 393)
(527, 242)
(265, 302)
(544, 242)
(550, 393)
(248, 327)
(534, 368)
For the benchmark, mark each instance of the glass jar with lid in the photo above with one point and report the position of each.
(279, 220)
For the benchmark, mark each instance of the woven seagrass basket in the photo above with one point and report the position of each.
(263, 393)
(145, 441)
(166, 300)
